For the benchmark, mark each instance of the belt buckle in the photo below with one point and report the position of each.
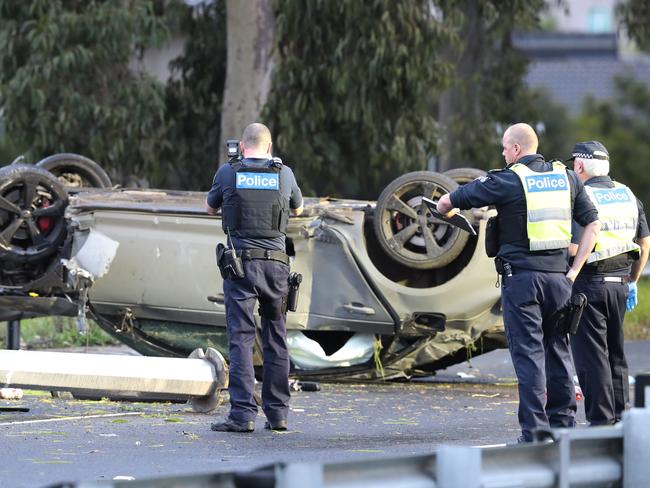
(267, 254)
(613, 279)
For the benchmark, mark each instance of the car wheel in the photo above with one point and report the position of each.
(32, 206)
(76, 171)
(405, 228)
(464, 175)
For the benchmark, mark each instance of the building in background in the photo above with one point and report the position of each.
(582, 54)
(587, 16)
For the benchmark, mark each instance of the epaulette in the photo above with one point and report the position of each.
(495, 170)
(556, 160)
(276, 162)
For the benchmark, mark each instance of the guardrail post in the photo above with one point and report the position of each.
(458, 467)
(636, 439)
(13, 334)
(299, 475)
(642, 391)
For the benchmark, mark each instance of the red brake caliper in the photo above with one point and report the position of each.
(44, 223)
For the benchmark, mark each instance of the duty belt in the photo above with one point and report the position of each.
(250, 254)
(609, 279)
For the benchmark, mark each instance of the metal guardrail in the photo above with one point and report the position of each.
(592, 457)
(642, 390)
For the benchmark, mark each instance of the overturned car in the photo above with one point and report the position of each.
(388, 290)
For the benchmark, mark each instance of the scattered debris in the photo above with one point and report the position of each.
(465, 376)
(296, 385)
(14, 409)
(11, 393)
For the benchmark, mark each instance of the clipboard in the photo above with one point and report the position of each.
(457, 220)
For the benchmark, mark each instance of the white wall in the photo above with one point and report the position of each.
(589, 16)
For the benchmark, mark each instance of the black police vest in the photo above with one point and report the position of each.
(256, 207)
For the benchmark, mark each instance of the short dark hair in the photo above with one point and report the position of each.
(255, 135)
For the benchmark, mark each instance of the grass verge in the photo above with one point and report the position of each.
(637, 322)
(57, 332)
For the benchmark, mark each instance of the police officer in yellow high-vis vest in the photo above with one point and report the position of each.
(609, 282)
(536, 202)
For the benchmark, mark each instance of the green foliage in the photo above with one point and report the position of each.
(635, 16)
(553, 124)
(637, 322)
(194, 98)
(622, 125)
(9, 150)
(56, 332)
(351, 103)
(488, 89)
(357, 87)
(66, 82)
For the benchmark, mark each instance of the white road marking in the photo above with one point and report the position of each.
(80, 417)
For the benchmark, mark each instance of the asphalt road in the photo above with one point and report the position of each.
(71, 440)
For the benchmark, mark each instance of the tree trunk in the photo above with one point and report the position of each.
(251, 27)
(459, 108)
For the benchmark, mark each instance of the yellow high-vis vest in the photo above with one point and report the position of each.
(619, 218)
(548, 205)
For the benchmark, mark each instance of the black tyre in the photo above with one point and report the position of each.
(32, 206)
(76, 171)
(405, 228)
(464, 175)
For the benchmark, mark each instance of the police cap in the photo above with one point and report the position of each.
(589, 150)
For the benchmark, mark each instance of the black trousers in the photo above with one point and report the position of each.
(598, 350)
(541, 358)
(266, 282)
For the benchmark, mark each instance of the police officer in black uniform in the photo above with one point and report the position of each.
(256, 195)
(535, 201)
(608, 280)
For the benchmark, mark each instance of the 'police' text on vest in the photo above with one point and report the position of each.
(550, 182)
(618, 195)
(258, 181)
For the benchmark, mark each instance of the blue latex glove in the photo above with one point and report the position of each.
(632, 298)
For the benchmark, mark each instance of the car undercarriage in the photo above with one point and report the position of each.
(388, 290)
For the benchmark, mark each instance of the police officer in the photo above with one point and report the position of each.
(608, 279)
(536, 201)
(256, 195)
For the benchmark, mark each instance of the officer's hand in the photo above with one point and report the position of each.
(632, 298)
(572, 274)
(444, 205)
